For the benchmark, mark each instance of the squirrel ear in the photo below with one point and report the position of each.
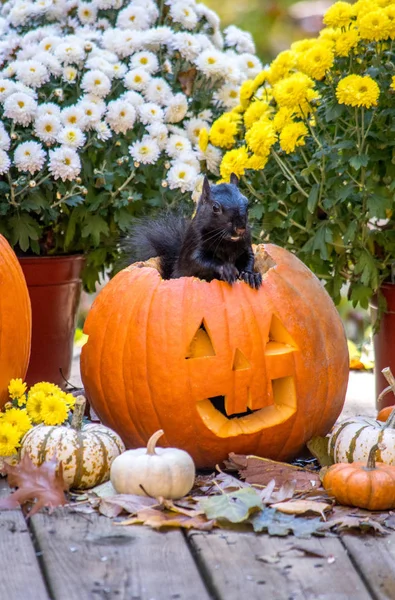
(205, 191)
(234, 179)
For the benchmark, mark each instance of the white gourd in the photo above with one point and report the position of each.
(151, 471)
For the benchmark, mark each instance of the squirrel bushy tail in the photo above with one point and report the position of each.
(162, 237)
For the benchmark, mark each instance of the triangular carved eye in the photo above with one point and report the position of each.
(240, 362)
(201, 345)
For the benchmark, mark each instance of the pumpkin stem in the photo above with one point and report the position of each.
(78, 414)
(371, 464)
(390, 422)
(152, 441)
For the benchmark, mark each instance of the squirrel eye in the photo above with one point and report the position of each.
(216, 208)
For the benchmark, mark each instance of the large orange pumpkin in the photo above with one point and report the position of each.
(220, 368)
(15, 320)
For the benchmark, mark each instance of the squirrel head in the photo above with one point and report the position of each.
(223, 208)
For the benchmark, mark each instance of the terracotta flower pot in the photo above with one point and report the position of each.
(54, 285)
(384, 344)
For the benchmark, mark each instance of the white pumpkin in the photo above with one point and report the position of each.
(86, 452)
(352, 439)
(150, 471)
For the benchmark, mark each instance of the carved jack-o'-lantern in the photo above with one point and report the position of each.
(220, 368)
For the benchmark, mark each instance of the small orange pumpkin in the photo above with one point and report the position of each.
(385, 413)
(370, 485)
(15, 320)
(220, 368)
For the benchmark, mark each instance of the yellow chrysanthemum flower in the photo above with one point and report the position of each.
(254, 112)
(301, 46)
(257, 163)
(9, 439)
(375, 26)
(223, 131)
(53, 411)
(339, 14)
(247, 90)
(235, 161)
(329, 34)
(364, 7)
(355, 90)
(68, 399)
(390, 13)
(282, 117)
(33, 405)
(261, 137)
(293, 135)
(18, 419)
(16, 388)
(21, 402)
(293, 90)
(281, 66)
(346, 41)
(203, 139)
(44, 386)
(260, 79)
(316, 61)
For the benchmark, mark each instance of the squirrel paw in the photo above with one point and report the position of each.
(228, 273)
(254, 279)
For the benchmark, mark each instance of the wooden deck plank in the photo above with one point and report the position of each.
(20, 576)
(375, 560)
(87, 556)
(230, 562)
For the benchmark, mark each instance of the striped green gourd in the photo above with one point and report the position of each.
(86, 451)
(351, 440)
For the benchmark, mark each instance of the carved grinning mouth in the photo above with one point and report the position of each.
(219, 404)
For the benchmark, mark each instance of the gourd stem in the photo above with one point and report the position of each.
(78, 414)
(390, 422)
(371, 464)
(152, 441)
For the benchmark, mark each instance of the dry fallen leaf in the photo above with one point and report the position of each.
(130, 503)
(186, 79)
(159, 518)
(42, 485)
(301, 507)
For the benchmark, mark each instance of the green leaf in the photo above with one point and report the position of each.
(123, 218)
(74, 200)
(94, 226)
(235, 507)
(279, 524)
(23, 228)
(312, 200)
(361, 160)
(318, 447)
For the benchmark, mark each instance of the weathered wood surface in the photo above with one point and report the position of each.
(20, 566)
(246, 565)
(86, 556)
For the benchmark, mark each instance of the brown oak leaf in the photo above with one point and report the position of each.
(44, 485)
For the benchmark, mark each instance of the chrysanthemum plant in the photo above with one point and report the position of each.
(43, 403)
(101, 105)
(313, 140)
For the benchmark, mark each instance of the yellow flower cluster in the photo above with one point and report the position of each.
(43, 403)
(355, 90)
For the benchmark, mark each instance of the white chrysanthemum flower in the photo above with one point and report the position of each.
(123, 42)
(48, 108)
(177, 109)
(99, 63)
(159, 132)
(150, 8)
(120, 116)
(133, 98)
(193, 127)
(206, 115)
(96, 82)
(29, 157)
(227, 95)
(70, 52)
(50, 62)
(41, 7)
(5, 140)
(159, 91)
(177, 145)
(26, 53)
(250, 65)
(146, 151)
(47, 128)
(181, 176)
(49, 43)
(100, 103)
(212, 63)
(20, 13)
(24, 89)
(204, 41)
(213, 157)
(150, 113)
(73, 115)
(105, 4)
(241, 40)
(211, 17)
(71, 136)
(32, 73)
(177, 130)
(133, 17)
(7, 87)
(118, 70)
(20, 107)
(191, 159)
(145, 60)
(106, 55)
(156, 37)
(87, 12)
(137, 79)
(217, 39)
(181, 13)
(92, 114)
(186, 44)
(64, 163)
(103, 131)
(5, 162)
(70, 74)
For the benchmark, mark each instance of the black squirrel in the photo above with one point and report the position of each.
(214, 244)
